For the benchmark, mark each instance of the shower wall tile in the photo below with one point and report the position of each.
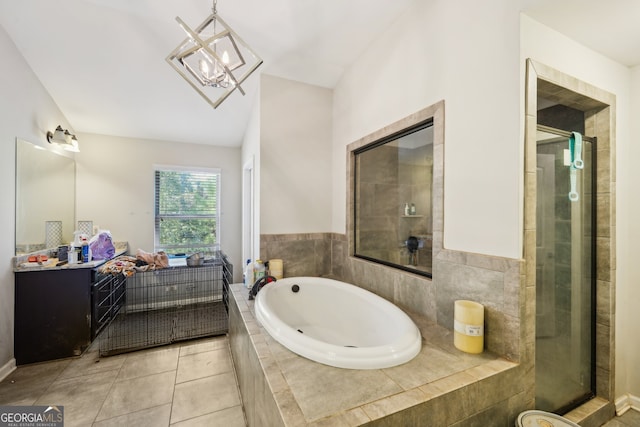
(604, 303)
(603, 262)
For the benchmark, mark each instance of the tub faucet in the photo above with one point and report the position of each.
(259, 284)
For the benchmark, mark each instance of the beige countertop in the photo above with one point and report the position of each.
(22, 266)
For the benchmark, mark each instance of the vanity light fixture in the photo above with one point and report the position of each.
(213, 59)
(64, 139)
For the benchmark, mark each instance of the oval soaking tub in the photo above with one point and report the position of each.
(336, 323)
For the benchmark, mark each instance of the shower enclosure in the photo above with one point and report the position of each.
(565, 269)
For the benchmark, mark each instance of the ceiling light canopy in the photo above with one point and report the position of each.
(64, 139)
(213, 59)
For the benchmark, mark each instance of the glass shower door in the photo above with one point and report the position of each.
(565, 279)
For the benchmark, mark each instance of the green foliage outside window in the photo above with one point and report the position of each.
(186, 211)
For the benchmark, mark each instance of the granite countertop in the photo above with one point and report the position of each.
(20, 264)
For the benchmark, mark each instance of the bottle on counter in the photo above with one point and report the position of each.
(247, 274)
(71, 254)
(258, 270)
(407, 209)
(86, 251)
(412, 210)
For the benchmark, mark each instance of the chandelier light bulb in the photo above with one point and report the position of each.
(204, 68)
(225, 57)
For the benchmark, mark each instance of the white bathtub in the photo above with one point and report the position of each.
(336, 323)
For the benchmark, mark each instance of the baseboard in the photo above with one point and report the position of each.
(8, 367)
(626, 402)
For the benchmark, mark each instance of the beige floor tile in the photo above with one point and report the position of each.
(91, 363)
(152, 417)
(230, 417)
(204, 345)
(135, 394)
(24, 385)
(80, 396)
(200, 365)
(149, 362)
(203, 396)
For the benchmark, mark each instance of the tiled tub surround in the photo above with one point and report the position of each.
(441, 386)
(492, 281)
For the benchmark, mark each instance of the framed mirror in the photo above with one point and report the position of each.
(393, 199)
(45, 197)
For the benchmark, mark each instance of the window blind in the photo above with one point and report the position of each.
(186, 211)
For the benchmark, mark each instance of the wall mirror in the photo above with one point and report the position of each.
(393, 199)
(45, 197)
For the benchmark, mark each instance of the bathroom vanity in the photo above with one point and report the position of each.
(59, 311)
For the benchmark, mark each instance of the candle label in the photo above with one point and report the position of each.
(470, 330)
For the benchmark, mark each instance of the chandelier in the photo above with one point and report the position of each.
(213, 59)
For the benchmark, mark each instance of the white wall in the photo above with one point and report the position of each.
(26, 111)
(576, 60)
(467, 54)
(115, 187)
(295, 157)
(628, 289)
(251, 156)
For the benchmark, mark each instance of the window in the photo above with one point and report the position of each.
(393, 192)
(186, 210)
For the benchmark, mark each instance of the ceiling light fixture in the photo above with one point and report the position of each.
(213, 59)
(64, 139)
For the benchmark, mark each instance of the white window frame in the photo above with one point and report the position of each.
(173, 168)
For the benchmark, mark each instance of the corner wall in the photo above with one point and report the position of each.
(115, 187)
(295, 157)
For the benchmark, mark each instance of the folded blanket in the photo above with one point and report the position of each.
(157, 260)
(128, 265)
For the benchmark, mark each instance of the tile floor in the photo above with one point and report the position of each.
(630, 418)
(184, 385)
(188, 384)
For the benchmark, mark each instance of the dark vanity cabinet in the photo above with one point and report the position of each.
(107, 296)
(59, 312)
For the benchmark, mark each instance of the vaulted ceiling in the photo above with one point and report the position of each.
(103, 61)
